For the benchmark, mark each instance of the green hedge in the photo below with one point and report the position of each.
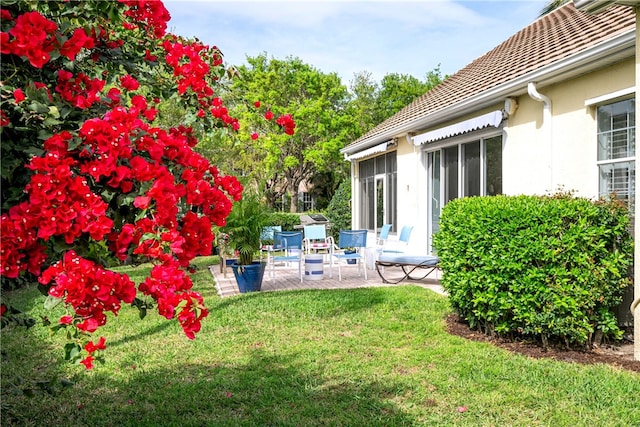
(286, 220)
(551, 267)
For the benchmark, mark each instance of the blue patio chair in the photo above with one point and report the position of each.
(315, 238)
(290, 243)
(403, 242)
(383, 236)
(267, 238)
(355, 240)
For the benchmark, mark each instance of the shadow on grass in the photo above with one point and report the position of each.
(31, 371)
(144, 334)
(266, 390)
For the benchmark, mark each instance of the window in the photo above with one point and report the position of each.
(378, 191)
(462, 170)
(616, 150)
(472, 169)
(307, 202)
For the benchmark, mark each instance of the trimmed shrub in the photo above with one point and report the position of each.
(286, 220)
(339, 209)
(551, 267)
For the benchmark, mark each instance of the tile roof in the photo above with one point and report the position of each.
(553, 37)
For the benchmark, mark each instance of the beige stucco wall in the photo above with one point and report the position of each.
(409, 194)
(541, 157)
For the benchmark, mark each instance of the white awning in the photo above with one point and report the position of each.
(493, 118)
(369, 151)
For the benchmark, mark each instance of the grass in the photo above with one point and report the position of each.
(363, 357)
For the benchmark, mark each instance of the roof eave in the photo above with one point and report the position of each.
(610, 51)
(597, 6)
(592, 6)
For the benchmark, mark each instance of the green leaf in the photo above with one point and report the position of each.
(51, 302)
(72, 351)
(53, 111)
(37, 107)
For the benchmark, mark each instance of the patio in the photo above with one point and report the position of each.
(286, 278)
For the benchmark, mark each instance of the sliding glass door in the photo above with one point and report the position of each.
(462, 170)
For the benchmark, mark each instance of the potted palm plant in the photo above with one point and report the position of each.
(244, 228)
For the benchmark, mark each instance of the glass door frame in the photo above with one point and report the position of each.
(435, 193)
(381, 213)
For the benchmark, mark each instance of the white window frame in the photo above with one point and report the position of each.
(440, 146)
(604, 101)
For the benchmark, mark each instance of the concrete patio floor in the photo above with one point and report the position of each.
(286, 278)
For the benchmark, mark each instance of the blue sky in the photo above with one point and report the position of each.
(347, 37)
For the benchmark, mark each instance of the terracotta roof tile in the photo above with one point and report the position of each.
(553, 37)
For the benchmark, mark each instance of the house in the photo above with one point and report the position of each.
(552, 107)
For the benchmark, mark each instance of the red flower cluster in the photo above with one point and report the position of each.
(91, 348)
(88, 288)
(76, 42)
(150, 13)
(191, 63)
(170, 286)
(81, 91)
(286, 121)
(35, 37)
(62, 204)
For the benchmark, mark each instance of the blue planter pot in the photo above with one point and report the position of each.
(249, 277)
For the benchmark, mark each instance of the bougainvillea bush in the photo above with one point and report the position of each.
(89, 175)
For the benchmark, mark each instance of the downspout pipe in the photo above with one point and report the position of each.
(546, 125)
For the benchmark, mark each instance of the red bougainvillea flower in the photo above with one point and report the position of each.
(19, 96)
(77, 41)
(129, 83)
(4, 119)
(268, 115)
(80, 90)
(92, 348)
(149, 57)
(256, 104)
(286, 121)
(5, 15)
(254, 136)
(88, 288)
(149, 13)
(88, 362)
(33, 37)
(66, 320)
(3, 309)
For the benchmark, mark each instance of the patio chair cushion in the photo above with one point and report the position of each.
(408, 264)
(400, 259)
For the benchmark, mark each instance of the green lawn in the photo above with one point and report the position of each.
(363, 357)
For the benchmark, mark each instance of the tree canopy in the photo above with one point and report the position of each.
(318, 102)
(329, 117)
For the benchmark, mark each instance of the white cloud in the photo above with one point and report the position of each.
(346, 36)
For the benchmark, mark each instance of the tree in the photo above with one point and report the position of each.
(399, 90)
(88, 176)
(318, 102)
(371, 102)
(364, 93)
